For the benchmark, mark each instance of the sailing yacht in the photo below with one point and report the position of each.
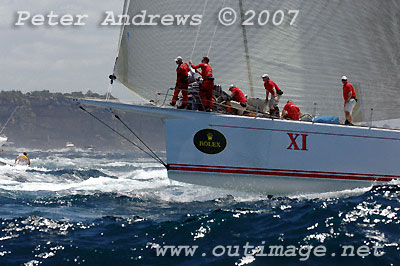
(305, 47)
(3, 140)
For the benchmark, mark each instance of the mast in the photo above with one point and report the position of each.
(246, 49)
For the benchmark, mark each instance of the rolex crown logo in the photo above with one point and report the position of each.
(209, 141)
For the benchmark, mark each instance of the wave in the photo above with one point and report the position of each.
(75, 174)
(127, 174)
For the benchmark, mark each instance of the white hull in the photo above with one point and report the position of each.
(274, 156)
(263, 155)
(267, 184)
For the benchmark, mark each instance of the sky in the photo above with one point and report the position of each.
(59, 58)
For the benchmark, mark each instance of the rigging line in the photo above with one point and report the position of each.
(121, 33)
(124, 13)
(166, 95)
(122, 136)
(198, 31)
(108, 92)
(155, 155)
(8, 120)
(215, 31)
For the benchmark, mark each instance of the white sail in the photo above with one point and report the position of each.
(328, 39)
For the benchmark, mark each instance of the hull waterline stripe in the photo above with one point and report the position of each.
(286, 170)
(271, 172)
(305, 132)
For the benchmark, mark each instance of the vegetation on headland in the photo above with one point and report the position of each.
(46, 120)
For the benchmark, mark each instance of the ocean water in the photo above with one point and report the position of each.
(120, 208)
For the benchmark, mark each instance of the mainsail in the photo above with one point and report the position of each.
(327, 39)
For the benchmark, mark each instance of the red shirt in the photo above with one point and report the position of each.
(269, 85)
(182, 75)
(346, 89)
(206, 70)
(292, 110)
(237, 95)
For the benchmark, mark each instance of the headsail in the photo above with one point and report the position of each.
(327, 39)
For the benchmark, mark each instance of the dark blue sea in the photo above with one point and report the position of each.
(74, 207)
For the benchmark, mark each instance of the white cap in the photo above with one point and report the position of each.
(265, 76)
(344, 78)
(179, 59)
(231, 86)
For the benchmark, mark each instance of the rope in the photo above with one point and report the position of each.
(108, 94)
(198, 31)
(194, 94)
(124, 12)
(215, 31)
(166, 95)
(8, 120)
(122, 136)
(155, 155)
(121, 33)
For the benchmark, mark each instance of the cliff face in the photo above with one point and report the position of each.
(47, 120)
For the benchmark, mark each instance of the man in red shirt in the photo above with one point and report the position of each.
(207, 87)
(238, 101)
(182, 82)
(291, 111)
(271, 87)
(350, 99)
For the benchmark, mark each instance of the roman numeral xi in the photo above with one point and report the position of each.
(293, 145)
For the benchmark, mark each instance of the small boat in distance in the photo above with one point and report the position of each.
(90, 148)
(69, 145)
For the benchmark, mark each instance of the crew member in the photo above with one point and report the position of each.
(238, 101)
(350, 99)
(273, 89)
(291, 111)
(23, 159)
(207, 87)
(182, 82)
